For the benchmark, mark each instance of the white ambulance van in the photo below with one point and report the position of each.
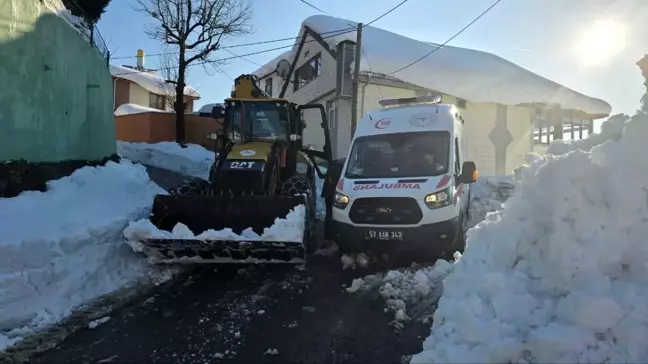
(405, 182)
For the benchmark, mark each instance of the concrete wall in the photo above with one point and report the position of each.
(56, 97)
(160, 127)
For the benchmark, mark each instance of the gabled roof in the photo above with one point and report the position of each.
(473, 75)
(150, 82)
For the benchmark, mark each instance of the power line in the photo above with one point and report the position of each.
(247, 44)
(449, 40)
(331, 34)
(385, 14)
(240, 56)
(313, 6)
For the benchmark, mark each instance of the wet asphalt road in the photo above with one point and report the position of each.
(237, 316)
(241, 314)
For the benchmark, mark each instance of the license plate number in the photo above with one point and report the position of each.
(384, 235)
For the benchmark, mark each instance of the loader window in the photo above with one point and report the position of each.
(399, 155)
(260, 121)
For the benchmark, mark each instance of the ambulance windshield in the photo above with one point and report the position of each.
(399, 155)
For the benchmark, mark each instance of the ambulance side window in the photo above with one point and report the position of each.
(457, 157)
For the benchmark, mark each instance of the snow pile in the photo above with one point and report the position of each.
(559, 275)
(288, 229)
(194, 160)
(611, 129)
(470, 74)
(150, 81)
(408, 292)
(487, 195)
(64, 247)
(132, 109)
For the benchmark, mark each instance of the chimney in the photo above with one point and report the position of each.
(140, 59)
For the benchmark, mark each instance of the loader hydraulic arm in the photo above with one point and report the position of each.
(247, 87)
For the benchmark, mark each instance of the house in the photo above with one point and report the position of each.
(56, 101)
(508, 110)
(141, 86)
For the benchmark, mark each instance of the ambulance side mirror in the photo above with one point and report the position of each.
(469, 173)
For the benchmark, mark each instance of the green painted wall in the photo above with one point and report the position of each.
(56, 92)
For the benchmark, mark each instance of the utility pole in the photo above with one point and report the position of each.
(356, 76)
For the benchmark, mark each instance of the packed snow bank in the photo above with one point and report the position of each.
(611, 129)
(132, 109)
(558, 275)
(289, 229)
(409, 292)
(487, 195)
(64, 247)
(194, 160)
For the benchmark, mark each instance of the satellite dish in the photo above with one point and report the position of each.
(283, 68)
(307, 72)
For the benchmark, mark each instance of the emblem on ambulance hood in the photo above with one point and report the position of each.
(422, 119)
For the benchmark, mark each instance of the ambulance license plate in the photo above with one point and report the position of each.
(383, 235)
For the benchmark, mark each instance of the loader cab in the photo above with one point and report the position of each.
(284, 124)
(258, 120)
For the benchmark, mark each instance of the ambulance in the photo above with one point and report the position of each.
(405, 182)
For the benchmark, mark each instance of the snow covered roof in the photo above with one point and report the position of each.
(207, 108)
(150, 82)
(130, 109)
(272, 65)
(474, 75)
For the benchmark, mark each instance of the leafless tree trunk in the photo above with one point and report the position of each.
(194, 29)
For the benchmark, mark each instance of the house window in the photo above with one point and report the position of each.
(268, 86)
(331, 107)
(157, 101)
(308, 72)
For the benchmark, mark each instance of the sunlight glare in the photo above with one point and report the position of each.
(600, 42)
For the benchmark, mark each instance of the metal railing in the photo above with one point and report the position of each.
(99, 43)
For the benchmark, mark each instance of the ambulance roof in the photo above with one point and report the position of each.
(408, 118)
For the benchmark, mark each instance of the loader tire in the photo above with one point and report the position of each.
(297, 185)
(191, 187)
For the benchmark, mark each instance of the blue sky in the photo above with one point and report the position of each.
(539, 35)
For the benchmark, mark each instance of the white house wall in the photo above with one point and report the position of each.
(319, 86)
(479, 121)
(520, 125)
(138, 95)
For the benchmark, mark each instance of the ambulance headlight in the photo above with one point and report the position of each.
(438, 199)
(340, 201)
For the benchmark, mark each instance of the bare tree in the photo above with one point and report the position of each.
(195, 29)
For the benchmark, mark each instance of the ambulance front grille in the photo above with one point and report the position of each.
(385, 211)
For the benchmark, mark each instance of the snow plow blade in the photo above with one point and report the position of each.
(238, 213)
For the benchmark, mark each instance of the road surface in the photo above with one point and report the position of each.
(238, 314)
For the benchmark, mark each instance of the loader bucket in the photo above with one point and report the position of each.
(201, 213)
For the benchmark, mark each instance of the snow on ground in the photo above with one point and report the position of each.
(487, 195)
(132, 109)
(611, 129)
(408, 293)
(95, 323)
(558, 275)
(64, 247)
(285, 229)
(194, 160)
(416, 287)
